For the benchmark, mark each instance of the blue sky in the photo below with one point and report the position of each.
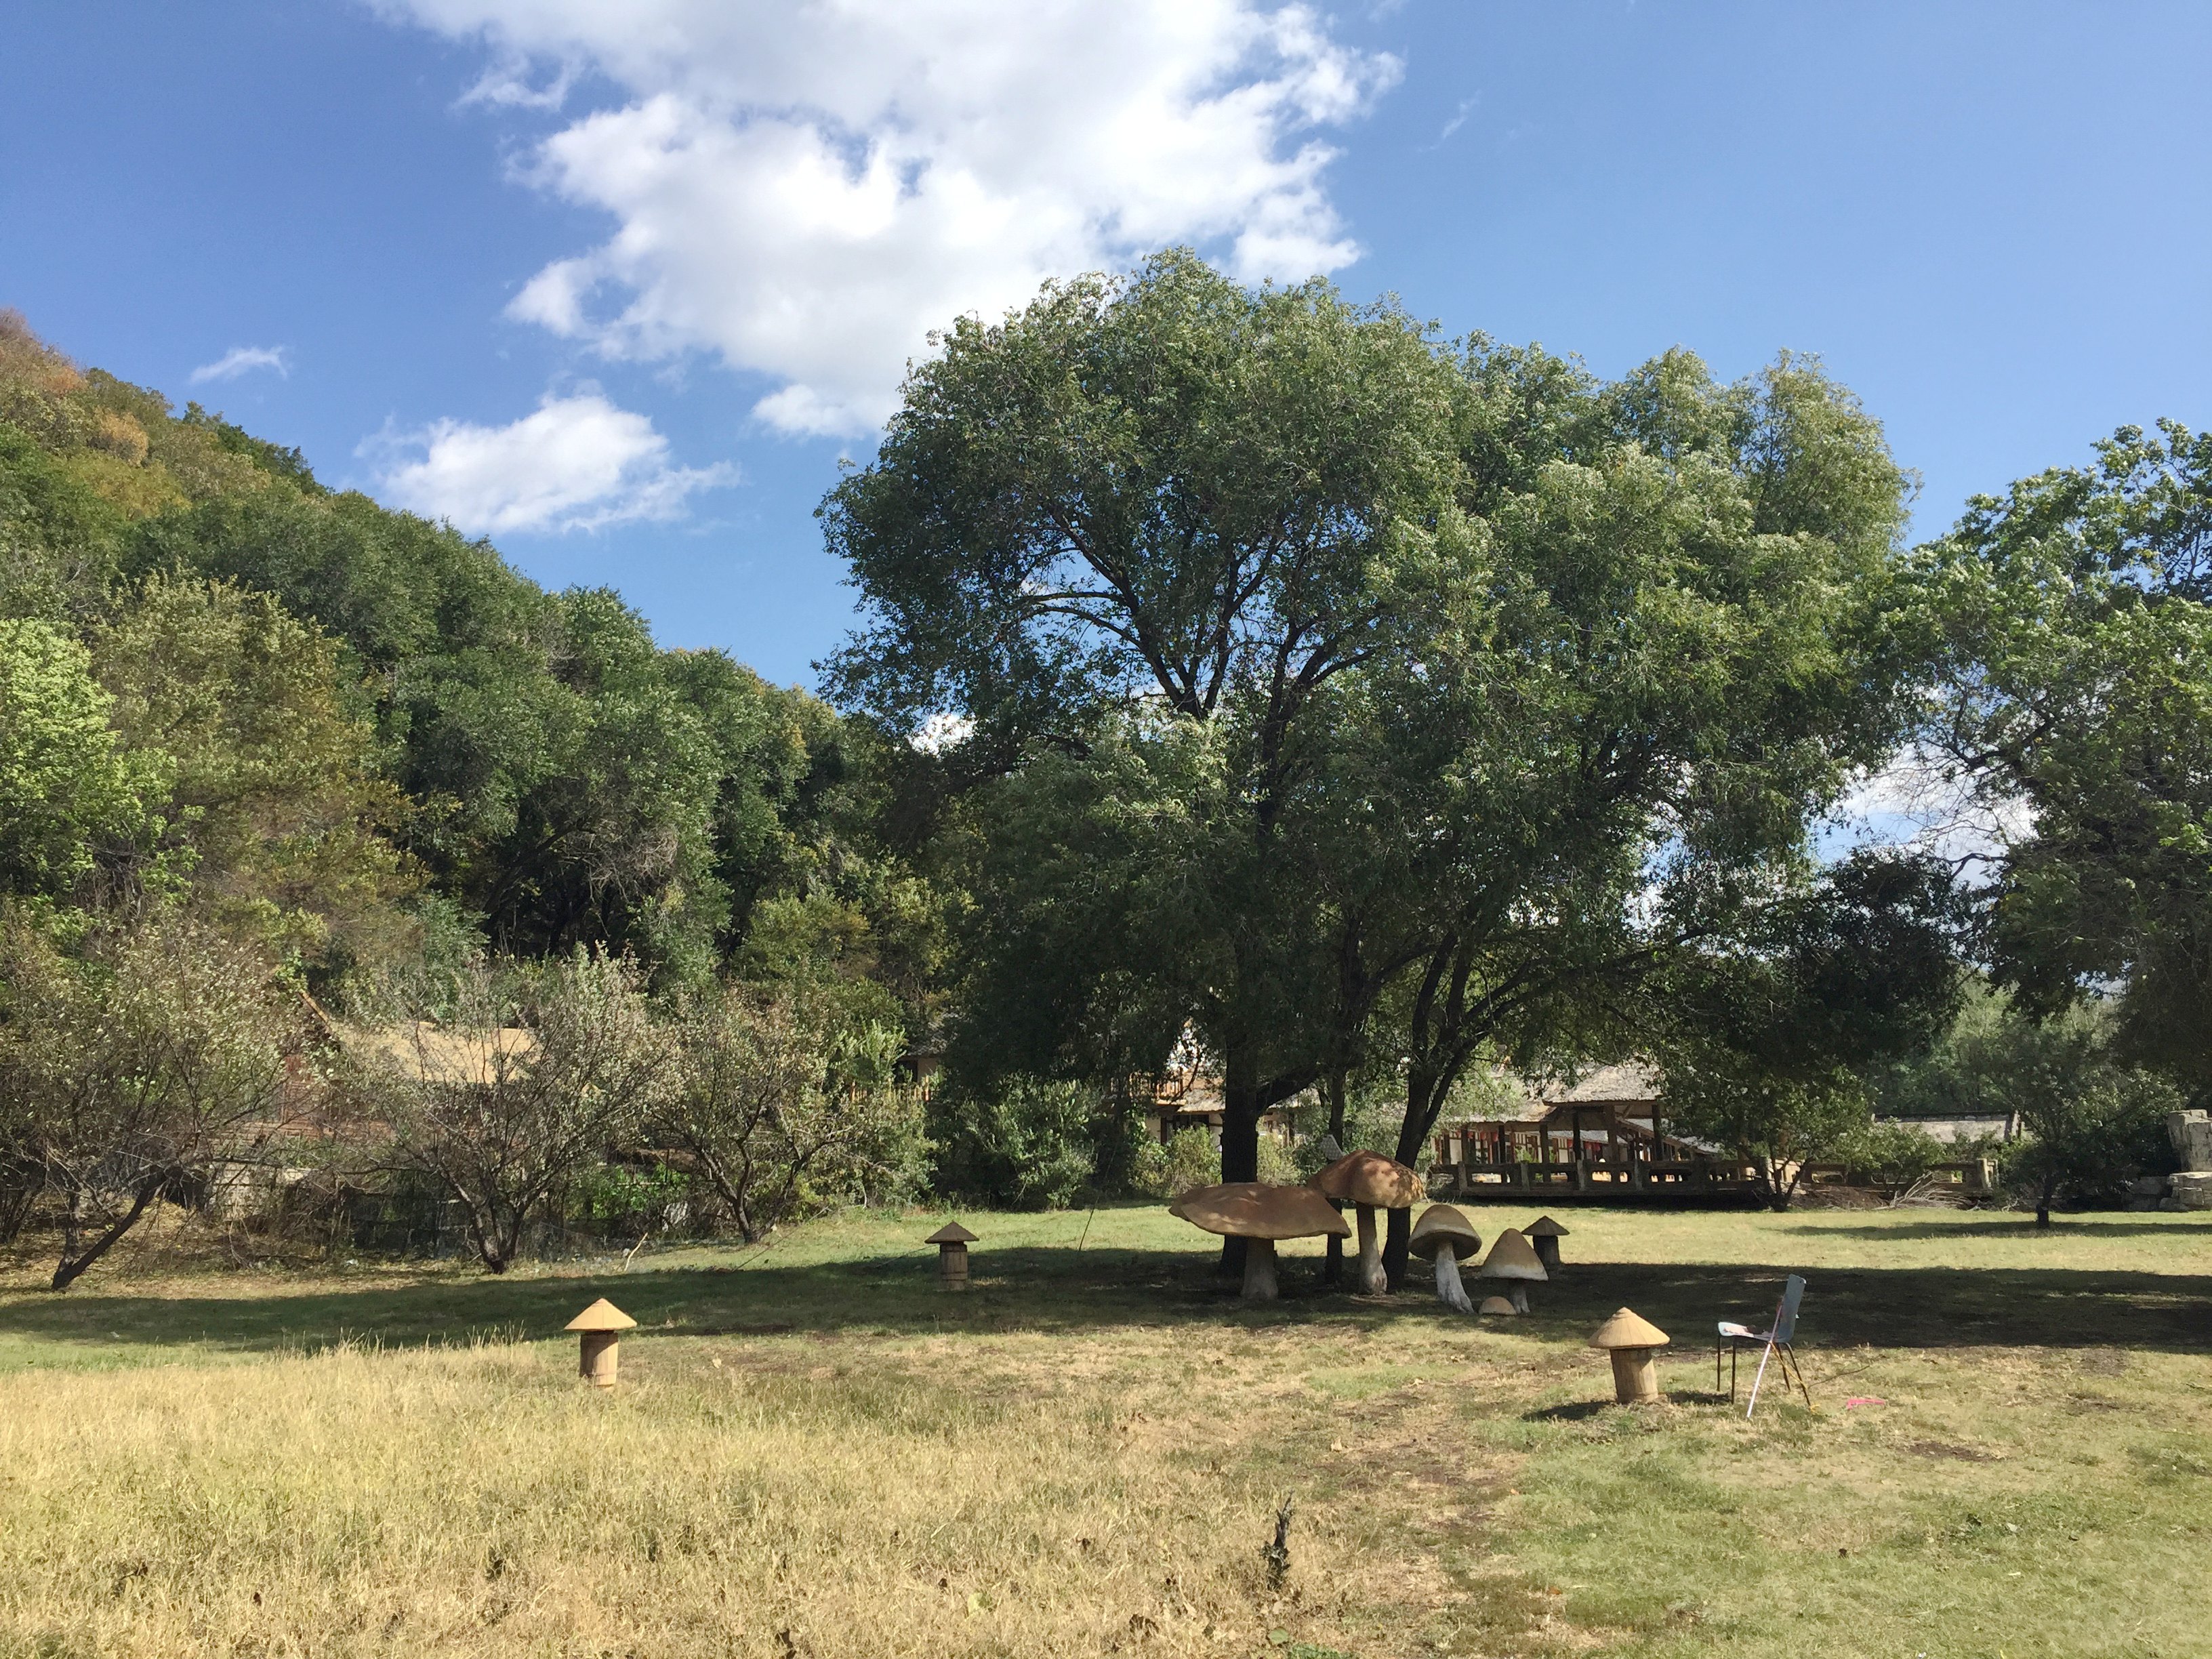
(620, 285)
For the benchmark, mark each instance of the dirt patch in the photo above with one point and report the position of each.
(1944, 1448)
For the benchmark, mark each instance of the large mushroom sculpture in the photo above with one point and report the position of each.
(1369, 1181)
(1260, 1214)
(1511, 1258)
(1445, 1236)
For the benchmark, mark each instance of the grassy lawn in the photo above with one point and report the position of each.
(813, 1452)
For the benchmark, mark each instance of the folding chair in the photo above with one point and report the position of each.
(1776, 1335)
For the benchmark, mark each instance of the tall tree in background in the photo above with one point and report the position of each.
(1164, 502)
(2073, 620)
(1614, 740)
(1765, 1037)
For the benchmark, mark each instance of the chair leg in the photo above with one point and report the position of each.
(1717, 1367)
(1790, 1355)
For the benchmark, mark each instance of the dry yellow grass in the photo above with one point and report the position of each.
(814, 1453)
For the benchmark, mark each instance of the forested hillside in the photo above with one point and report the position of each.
(359, 737)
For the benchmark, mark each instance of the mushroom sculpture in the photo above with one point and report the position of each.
(1544, 1233)
(1496, 1304)
(1511, 1259)
(952, 1240)
(1259, 1214)
(1444, 1236)
(1632, 1341)
(600, 1352)
(1369, 1181)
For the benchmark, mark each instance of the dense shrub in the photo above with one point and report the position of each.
(1022, 1144)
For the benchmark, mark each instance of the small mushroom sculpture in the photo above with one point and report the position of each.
(1369, 1181)
(1496, 1304)
(1631, 1339)
(1544, 1233)
(1260, 1214)
(1444, 1236)
(1511, 1259)
(952, 1240)
(600, 1326)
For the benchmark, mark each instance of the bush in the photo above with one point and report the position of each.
(1023, 1143)
(1892, 1154)
(1191, 1159)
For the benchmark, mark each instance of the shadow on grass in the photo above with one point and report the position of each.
(2018, 1229)
(1049, 1289)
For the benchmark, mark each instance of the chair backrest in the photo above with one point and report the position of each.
(1785, 1316)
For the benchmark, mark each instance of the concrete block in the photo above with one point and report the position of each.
(2192, 1190)
(2147, 1186)
(2192, 1135)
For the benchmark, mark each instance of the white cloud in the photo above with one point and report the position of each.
(243, 360)
(576, 462)
(807, 190)
(1926, 802)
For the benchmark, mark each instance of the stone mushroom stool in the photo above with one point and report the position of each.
(601, 1326)
(1511, 1258)
(1632, 1341)
(1544, 1235)
(952, 1240)
(1496, 1304)
(1369, 1181)
(1260, 1214)
(1444, 1236)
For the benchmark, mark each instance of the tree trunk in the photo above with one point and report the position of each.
(1424, 1095)
(1240, 1146)
(67, 1271)
(2044, 1193)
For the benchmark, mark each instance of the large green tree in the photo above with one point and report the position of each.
(1165, 502)
(2073, 620)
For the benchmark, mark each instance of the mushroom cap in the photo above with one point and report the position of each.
(1544, 1227)
(601, 1316)
(1495, 1305)
(1628, 1330)
(1253, 1209)
(1443, 1223)
(950, 1233)
(1369, 1178)
(1512, 1256)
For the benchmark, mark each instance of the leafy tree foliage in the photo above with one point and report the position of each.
(2073, 619)
(273, 800)
(1340, 686)
(542, 1068)
(1768, 1038)
(2091, 1120)
(131, 1069)
(778, 1110)
(1158, 500)
(68, 791)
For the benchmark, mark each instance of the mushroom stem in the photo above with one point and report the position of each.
(1635, 1378)
(1260, 1270)
(1372, 1280)
(1520, 1295)
(1449, 1290)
